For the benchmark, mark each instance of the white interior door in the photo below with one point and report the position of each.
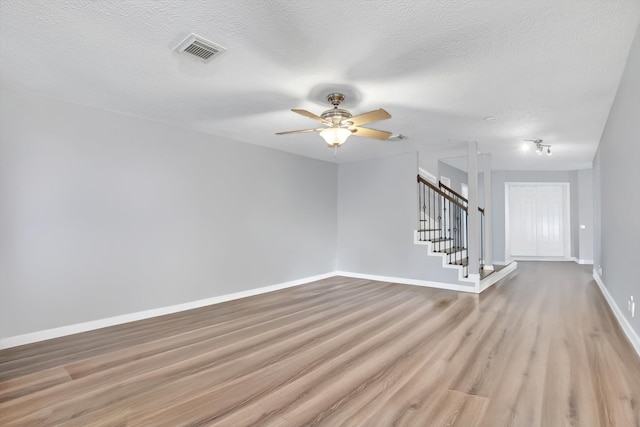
(538, 220)
(550, 215)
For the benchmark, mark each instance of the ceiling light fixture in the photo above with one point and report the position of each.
(335, 136)
(540, 147)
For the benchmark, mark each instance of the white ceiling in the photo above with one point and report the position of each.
(545, 69)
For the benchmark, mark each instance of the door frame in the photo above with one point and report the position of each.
(566, 223)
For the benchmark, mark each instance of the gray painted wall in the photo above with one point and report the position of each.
(617, 193)
(597, 220)
(104, 215)
(585, 215)
(377, 214)
(457, 176)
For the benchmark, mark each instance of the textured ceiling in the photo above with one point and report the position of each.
(545, 69)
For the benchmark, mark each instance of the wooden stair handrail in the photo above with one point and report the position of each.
(449, 189)
(442, 193)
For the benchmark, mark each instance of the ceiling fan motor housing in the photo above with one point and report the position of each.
(335, 99)
(336, 116)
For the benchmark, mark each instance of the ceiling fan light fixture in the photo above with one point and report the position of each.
(340, 123)
(335, 136)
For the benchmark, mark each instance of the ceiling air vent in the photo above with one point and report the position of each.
(397, 137)
(198, 48)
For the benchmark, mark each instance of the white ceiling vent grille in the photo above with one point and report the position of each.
(198, 48)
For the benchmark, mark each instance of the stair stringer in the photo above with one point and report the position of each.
(472, 278)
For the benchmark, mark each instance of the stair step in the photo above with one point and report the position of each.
(450, 251)
(463, 262)
(441, 240)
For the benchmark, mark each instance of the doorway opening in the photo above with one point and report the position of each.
(537, 221)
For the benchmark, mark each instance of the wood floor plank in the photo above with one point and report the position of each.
(457, 409)
(541, 348)
(55, 353)
(324, 358)
(398, 382)
(115, 385)
(331, 393)
(257, 328)
(28, 384)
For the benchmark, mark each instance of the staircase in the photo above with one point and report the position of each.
(443, 221)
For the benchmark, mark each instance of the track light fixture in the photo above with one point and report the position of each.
(540, 147)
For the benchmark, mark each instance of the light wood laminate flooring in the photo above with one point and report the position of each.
(540, 348)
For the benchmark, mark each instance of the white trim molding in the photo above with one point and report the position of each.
(628, 330)
(405, 281)
(146, 314)
(427, 175)
(476, 287)
(496, 276)
(542, 258)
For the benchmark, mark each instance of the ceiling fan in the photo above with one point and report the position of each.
(340, 124)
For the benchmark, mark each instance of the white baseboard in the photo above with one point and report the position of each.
(496, 276)
(132, 317)
(543, 258)
(574, 259)
(631, 334)
(404, 281)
